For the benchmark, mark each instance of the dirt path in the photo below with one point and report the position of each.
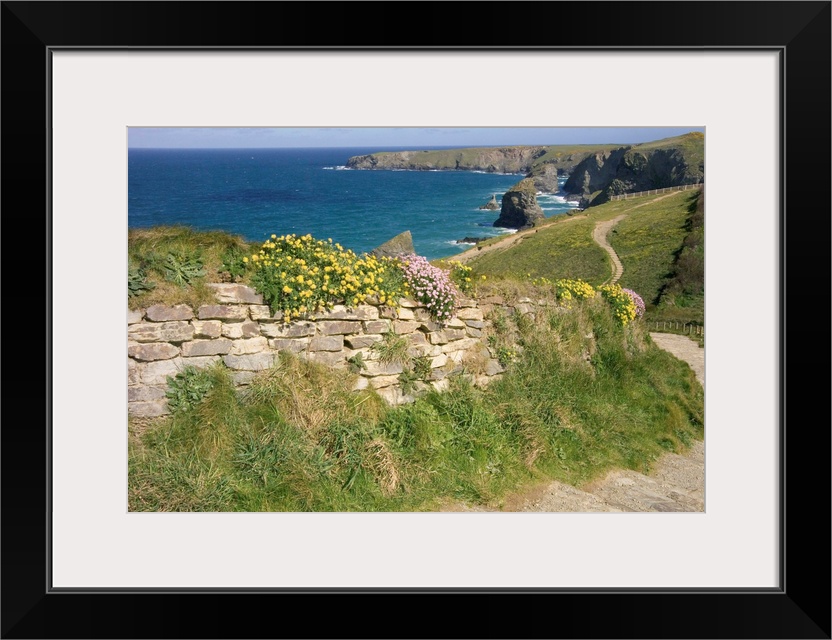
(599, 235)
(676, 483)
(685, 349)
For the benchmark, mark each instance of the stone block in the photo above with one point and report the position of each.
(292, 345)
(469, 314)
(378, 326)
(219, 346)
(162, 313)
(439, 361)
(134, 317)
(422, 315)
(465, 303)
(524, 308)
(382, 368)
(493, 368)
(200, 362)
(156, 373)
(455, 323)
(380, 382)
(361, 342)
(438, 337)
(250, 362)
(134, 375)
(493, 300)
(338, 327)
(465, 344)
(143, 393)
(417, 338)
(207, 328)
(293, 330)
(407, 303)
(242, 378)
(419, 350)
(326, 343)
(437, 374)
(177, 331)
(406, 314)
(151, 409)
(388, 312)
(248, 345)
(475, 324)
(227, 313)
(360, 384)
(402, 327)
(152, 351)
(236, 294)
(473, 333)
(329, 358)
(245, 329)
(341, 312)
(441, 385)
(429, 326)
(262, 313)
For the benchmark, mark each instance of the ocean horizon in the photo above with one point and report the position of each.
(257, 192)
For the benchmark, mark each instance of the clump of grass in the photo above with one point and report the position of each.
(392, 349)
(176, 262)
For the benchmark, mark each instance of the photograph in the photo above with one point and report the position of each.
(373, 319)
(416, 315)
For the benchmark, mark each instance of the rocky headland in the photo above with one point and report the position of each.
(595, 172)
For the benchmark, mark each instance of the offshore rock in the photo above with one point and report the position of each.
(401, 245)
(520, 209)
(492, 204)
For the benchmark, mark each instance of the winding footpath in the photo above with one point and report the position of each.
(599, 235)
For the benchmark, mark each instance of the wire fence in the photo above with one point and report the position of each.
(650, 192)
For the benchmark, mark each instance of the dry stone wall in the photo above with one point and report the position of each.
(242, 332)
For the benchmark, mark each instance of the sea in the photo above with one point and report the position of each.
(257, 192)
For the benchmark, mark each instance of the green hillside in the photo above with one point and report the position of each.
(649, 241)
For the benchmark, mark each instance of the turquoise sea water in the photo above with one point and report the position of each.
(257, 192)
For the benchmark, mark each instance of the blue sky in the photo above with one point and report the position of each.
(414, 137)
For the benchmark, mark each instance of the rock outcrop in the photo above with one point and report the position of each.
(517, 159)
(400, 245)
(491, 205)
(470, 240)
(665, 163)
(520, 209)
(595, 172)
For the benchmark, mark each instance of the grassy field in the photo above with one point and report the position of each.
(563, 250)
(646, 242)
(582, 395)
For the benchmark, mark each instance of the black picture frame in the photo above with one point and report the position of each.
(799, 608)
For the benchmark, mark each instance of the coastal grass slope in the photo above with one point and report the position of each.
(649, 241)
